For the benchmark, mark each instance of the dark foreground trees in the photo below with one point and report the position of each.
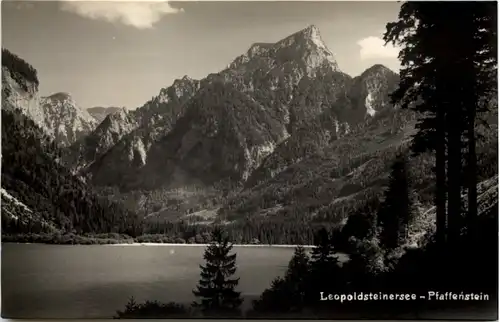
(216, 288)
(287, 295)
(398, 210)
(449, 74)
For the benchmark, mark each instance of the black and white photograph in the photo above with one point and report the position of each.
(249, 160)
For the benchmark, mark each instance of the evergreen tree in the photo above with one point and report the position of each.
(296, 278)
(276, 299)
(323, 252)
(420, 88)
(324, 266)
(396, 213)
(363, 222)
(437, 40)
(287, 294)
(479, 29)
(365, 262)
(215, 288)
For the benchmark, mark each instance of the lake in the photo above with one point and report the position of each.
(59, 281)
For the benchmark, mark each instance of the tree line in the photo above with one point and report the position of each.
(20, 70)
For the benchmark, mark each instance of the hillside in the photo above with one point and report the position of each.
(40, 195)
(223, 134)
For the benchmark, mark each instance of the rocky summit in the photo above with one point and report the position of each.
(67, 122)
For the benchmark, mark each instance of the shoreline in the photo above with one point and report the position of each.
(204, 245)
(164, 244)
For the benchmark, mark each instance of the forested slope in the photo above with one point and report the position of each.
(32, 174)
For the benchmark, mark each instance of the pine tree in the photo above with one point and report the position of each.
(276, 299)
(439, 39)
(480, 80)
(323, 250)
(215, 288)
(396, 212)
(324, 266)
(296, 278)
(422, 88)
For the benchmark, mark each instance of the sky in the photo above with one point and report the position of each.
(110, 53)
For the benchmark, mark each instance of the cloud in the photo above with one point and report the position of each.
(374, 47)
(139, 14)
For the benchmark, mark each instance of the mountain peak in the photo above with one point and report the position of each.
(305, 47)
(309, 34)
(379, 70)
(311, 46)
(310, 30)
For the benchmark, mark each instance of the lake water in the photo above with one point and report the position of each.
(58, 281)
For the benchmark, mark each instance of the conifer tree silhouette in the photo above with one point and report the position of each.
(216, 288)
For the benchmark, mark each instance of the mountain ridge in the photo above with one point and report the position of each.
(277, 95)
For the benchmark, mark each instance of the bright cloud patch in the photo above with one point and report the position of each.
(139, 14)
(374, 47)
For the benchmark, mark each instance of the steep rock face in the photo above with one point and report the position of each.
(109, 132)
(327, 108)
(66, 121)
(57, 115)
(124, 128)
(370, 91)
(100, 113)
(23, 94)
(224, 134)
(167, 105)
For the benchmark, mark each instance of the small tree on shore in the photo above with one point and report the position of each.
(216, 289)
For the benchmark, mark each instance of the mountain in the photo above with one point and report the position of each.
(223, 134)
(100, 113)
(57, 115)
(133, 130)
(296, 81)
(64, 120)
